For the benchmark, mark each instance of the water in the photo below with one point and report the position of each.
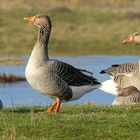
(21, 94)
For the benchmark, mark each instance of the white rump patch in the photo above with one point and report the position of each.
(79, 91)
(109, 86)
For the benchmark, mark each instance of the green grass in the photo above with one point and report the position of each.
(83, 31)
(73, 122)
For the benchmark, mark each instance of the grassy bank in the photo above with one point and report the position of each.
(74, 122)
(79, 28)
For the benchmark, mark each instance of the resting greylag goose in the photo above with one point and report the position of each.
(127, 96)
(59, 80)
(123, 75)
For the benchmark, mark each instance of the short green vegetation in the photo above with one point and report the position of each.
(79, 27)
(74, 122)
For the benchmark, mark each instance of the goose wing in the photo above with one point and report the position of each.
(121, 69)
(71, 75)
(124, 75)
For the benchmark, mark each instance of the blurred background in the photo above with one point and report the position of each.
(80, 27)
(84, 33)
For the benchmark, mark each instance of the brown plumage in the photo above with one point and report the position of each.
(127, 96)
(58, 80)
(123, 75)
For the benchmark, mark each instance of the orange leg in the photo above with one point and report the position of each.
(118, 88)
(58, 105)
(50, 109)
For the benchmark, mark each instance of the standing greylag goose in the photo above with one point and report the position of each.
(127, 96)
(58, 80)
(133, 39)
(123, 75)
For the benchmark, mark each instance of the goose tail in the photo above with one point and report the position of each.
(109, 86)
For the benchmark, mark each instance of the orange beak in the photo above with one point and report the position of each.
(128, 40)
(30, 19)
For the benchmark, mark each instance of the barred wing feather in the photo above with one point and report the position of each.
(71, 75)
